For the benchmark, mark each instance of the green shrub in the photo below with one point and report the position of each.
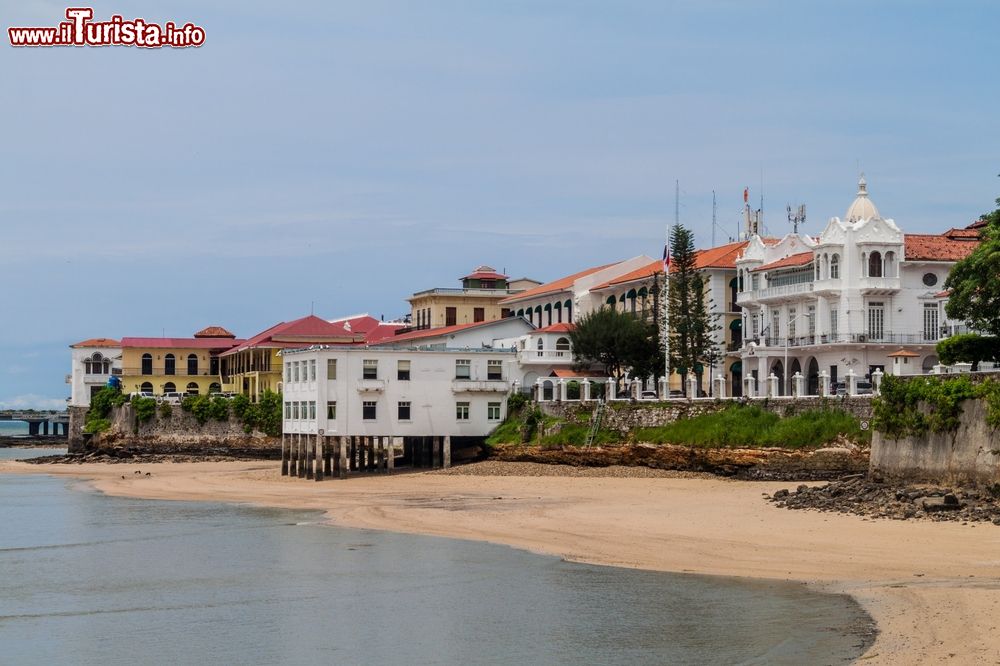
(752, 426)
(145, 409)
(515, 401)
(96, 425)
(264, 416)
(240, 405)
(219, 408)
(166, 411)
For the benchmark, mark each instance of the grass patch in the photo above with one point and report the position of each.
(751, 426)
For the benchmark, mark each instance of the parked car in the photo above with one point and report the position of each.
(861, 387)
(173, 397)
(139, 394)
(648, 395)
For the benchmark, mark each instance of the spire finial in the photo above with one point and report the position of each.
(862, 186)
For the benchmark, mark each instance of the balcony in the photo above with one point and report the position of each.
(179, 372)
(779, 293)
(878, 285)
(845, 339)
(371, 385)
(479, 386)
(546, 356)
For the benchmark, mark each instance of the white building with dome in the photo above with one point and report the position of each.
(845, 301)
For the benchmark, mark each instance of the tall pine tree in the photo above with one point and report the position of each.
(691, 323)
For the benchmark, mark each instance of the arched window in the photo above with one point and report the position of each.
(192, 388)
(538, 311)
(643, 295)
(568, 307)
(631, 296)
(835, 267)
(562, 344)
(169, 387)
(147, 366)
(826, 266)
(215, 387)
(541, 347)
(611, 301)
(548, 312)
(558, 309)
(817, 260)
(890, 264)
(192, 364)
(169, 365)
(146, 388)
(875, 264)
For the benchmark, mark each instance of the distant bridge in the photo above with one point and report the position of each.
(38, 422)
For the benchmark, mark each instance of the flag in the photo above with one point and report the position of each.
(746, 195)
(666, 259)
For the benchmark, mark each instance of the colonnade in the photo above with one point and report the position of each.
(317, 457)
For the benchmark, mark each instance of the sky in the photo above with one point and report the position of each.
(342, 155)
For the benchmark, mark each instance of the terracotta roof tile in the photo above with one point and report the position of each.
(435, 332)
(214, 332)
(901, 353)
(562, 284)
(562, 327)
(641, 273)
(98, 342)
(792, 260)
(931, 247)
(304, 331)
(180, 343)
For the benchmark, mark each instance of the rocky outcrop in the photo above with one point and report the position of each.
(770, 463)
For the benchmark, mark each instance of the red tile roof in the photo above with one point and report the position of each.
(97, 342)
(562, 327)
(562, 284)
(931, 247)
(792, 260)
(436, 332)
(180, 343)
(903, 353)
(641, 273)
(214, 332)
(485, 275)
(303, 332)
(943, 294)
(723, 256)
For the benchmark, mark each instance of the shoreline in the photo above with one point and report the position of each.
(930, 587)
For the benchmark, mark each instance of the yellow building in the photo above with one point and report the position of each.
(477, 300)
(254, 365)
(166, 365)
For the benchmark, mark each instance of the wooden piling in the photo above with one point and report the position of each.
(390, 460)
(436, 460)
(310, 456)
(371, 454)
(302, 457)
(327, 457)
(446, 452)
(284, 454)
(342, 457)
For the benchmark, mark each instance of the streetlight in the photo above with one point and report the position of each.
(786, 377)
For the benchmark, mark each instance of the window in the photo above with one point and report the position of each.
(755, 282)
(494, 369)
(791, 322)
(463, 369)
(192, 388)
(288, 372)
(876, 320)
(369, 369)
(505, 312)
(312, 410)
(169, 387)
(875, 264)
(541, 347)
(930, 279)
(478, 314)
(493, 411)
(403, 370)
(450, 316)
(215, 387)
(562, 346)
(462, 411)
(295, 410)
(811, 317)
(213, 365)
(368, 410)
(169, 365)
(312, 370)
(146, 388)
(930, 320)
(192, 364)
(833, 322)
(403, 411)
(331, 410)
(331, 368)
(288, 410)
(835, 267)
(775, 323)
(295, 371)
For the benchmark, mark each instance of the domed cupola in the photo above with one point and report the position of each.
(863, 208)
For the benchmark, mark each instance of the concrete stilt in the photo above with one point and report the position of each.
(350, 455)
(381, 455)
(284, 454)
(446, 452)
(342, 457)
(437, 453)
(320, 457)
(371, 454)
(292, 457)
(302, 456)
(310, 456)
(427, 460)
(390, 461)
(327, 457)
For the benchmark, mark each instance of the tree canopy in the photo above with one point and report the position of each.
(974, 282)
(619, 341)
(969, 348)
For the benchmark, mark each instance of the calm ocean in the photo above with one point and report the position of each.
(13, 428)
(88, 579)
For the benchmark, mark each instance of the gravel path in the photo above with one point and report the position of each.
(500, 468)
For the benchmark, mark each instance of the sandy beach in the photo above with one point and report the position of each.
(933, 588)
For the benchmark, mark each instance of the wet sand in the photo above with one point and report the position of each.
(933, 588)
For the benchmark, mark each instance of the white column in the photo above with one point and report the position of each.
(877, 381)
(772, 385)
(664, 388)
(750, 386)
(824, 383)
(609, 390)
(720, 387)
(852, 379)
(539, 390)
(798, 385)
(585, 390)
(692, 382)
(560, 392)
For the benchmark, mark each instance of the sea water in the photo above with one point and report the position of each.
(89, 579)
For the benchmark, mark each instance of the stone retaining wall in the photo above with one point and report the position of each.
(181, 433)
(626, 416)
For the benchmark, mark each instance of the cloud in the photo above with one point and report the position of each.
(32, 401)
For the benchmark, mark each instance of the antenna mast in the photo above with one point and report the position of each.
(796, 218)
